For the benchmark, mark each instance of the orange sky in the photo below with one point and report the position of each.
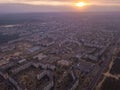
(57, 5)
(63, 2)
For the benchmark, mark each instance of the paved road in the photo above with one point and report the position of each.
(106, 63)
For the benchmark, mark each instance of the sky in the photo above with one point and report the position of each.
(57, 5)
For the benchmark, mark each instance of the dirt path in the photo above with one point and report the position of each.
(107, 74)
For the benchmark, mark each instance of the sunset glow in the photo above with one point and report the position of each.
(52, 3)
(80, 4)
(65, 3)
(59, 5)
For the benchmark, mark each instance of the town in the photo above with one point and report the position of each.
(57, 53)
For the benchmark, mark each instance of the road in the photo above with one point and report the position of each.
(105, 65)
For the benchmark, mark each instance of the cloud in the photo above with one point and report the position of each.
(109, 1)
(64, 2)
(60, 1)
(56, 5)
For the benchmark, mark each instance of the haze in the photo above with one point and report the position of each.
(15, 6)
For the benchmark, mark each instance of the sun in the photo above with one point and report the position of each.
(80, 4)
